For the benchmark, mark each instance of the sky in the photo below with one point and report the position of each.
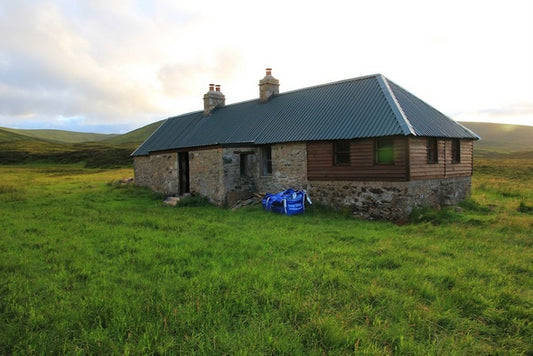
(111, 66)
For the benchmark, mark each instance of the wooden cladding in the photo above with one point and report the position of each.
(456, 151)
(453, 158)
(432, 150)
(446, 164)
(361, 166)
(341, 153)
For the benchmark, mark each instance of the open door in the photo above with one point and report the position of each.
(183, 164)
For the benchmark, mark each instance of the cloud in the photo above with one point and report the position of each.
(130, 62)
(192, 77)
(517, 113)
(79, 60)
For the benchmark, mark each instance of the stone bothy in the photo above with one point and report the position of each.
(365, 144)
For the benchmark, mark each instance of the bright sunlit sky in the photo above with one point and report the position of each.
(111, 66)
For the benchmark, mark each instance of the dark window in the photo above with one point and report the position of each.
(183, 165)
(432, 150)
(384, 151)
(245, 165)
(456, 151)
(341, 152)
(266, 160)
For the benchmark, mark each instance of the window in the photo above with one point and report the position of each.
(432, 150)
(456, 151)
(266, 160)
(384, 151)
(341, 153)
(245, 164)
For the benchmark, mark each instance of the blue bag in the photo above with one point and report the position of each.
(288, 202)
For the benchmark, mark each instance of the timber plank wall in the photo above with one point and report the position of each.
(410, 161)
(444, 168)
(320, 162)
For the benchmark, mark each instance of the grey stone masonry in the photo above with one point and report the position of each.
(240, 173)
(206, 175)
(390, 200)
(159, 172)
(213, 98)
(268, 86)
(289, 168)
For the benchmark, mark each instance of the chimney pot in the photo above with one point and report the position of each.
(213, 99)
(268, 86)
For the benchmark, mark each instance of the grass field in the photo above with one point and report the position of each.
(91, 266)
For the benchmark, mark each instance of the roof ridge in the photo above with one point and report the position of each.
(366, 106)
(431, 107)
(402, 119)
(330, 83)
(294, 91)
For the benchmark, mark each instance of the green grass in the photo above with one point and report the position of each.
(91, 266)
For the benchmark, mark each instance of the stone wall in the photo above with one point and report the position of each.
(240, 185)
(389, 200)
(206, 175)
(289, 169)
(159, 172)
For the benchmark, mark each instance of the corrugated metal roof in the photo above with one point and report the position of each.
(425, 119)
(370, 106)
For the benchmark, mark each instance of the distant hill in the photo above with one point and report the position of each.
(61, 135)
(19, 146)
(136, 136)
(8, 136)
(501, 138)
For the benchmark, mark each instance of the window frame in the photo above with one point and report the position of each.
(266, 160)
(381, 145)
(456, 151)
(244, 165)
(432, 150)
(341, 155)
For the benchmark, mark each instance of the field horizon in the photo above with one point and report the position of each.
(499, 141)
(495, 136)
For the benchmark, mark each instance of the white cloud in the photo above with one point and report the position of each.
(127, 63)
(517, 114)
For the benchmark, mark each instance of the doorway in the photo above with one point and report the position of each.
(183, 166)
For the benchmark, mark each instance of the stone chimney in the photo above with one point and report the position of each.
(213, 99)
(268, 86)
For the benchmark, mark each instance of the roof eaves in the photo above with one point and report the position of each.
(238, 144)
(476, 136)
(403, 122)
(134, 153)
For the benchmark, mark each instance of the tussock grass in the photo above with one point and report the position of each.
(88, 266)
(91, 154)
(10, 193)
(193, 200)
